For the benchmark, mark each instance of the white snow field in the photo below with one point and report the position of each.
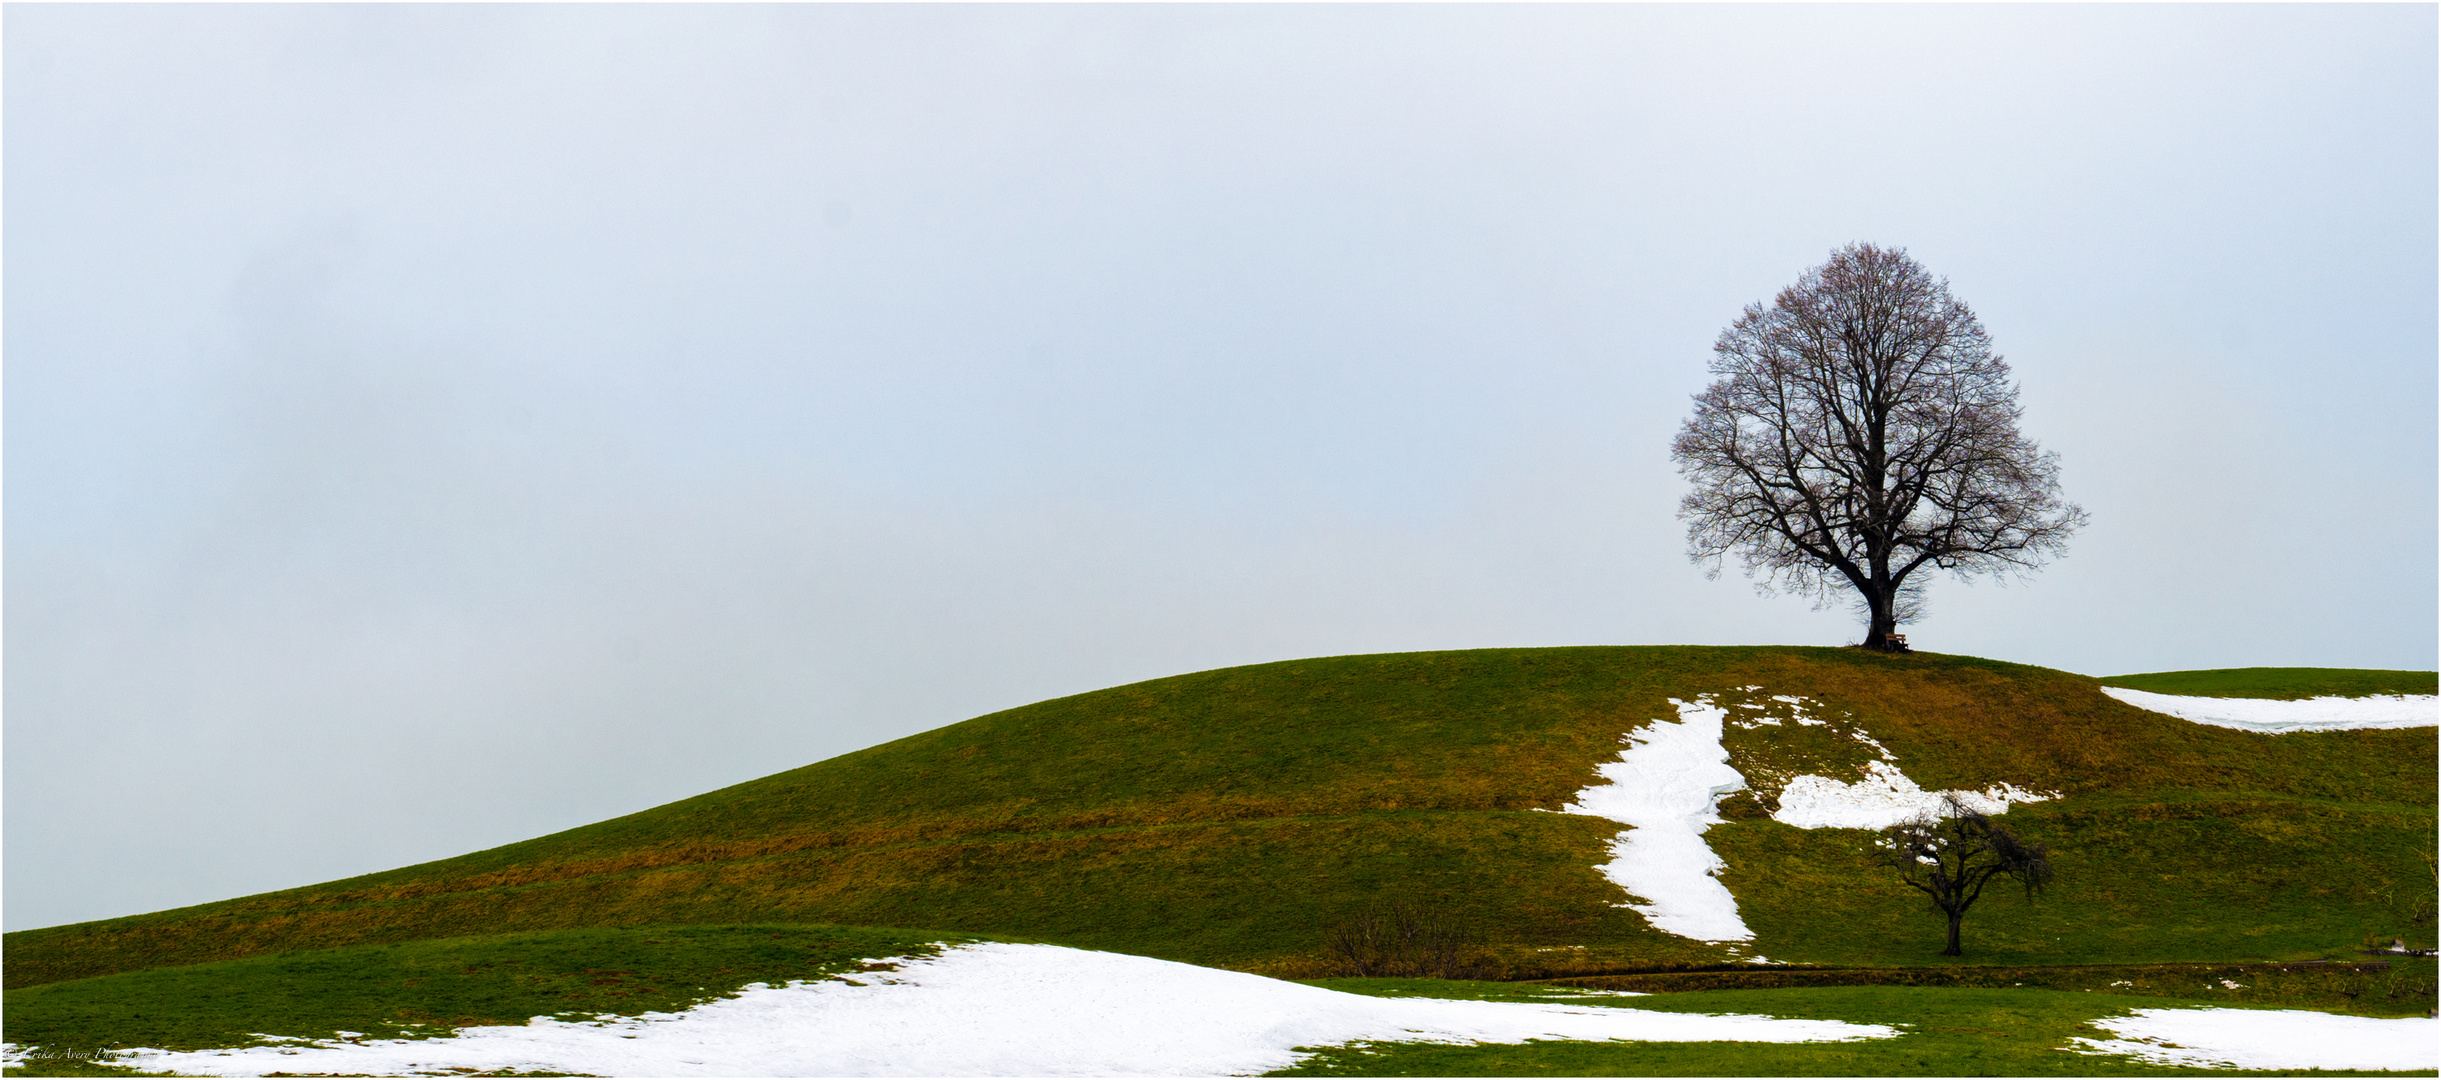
(2269, 1039)
(1666, 787)
(998, 1010)
(1885, 797)
(2311, 714)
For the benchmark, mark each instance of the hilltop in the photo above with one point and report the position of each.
(1233, 817)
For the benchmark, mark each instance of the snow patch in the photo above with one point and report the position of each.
(1885, 797)
(997, 1010)
(2269, 1039)
(1797, 706)
(1666, 787)
(2312, 714)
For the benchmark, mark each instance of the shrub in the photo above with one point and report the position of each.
(1403, 940)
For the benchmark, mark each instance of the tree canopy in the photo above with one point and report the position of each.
(1860, 429)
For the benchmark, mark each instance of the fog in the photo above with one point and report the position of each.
(431, 426)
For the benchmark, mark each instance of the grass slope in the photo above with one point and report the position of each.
(1946, 1032)
(425, 989)
(419, 989)
(1231, 817)
(431, 988)
(2282, 683)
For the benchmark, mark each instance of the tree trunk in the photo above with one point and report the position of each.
(1953, 949)
(1882, 606)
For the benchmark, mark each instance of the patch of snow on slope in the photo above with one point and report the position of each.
(1885, 797)
(1666, 787)
(1000, 1010)
(2312, 714)
(2269, 1039)
(1797, 705)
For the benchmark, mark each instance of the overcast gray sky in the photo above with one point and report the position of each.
(428, 427)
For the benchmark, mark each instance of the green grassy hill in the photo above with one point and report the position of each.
(2282, 683)
(1232, 817)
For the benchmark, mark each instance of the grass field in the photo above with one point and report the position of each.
(425, 989)
(2282, 683)
(1231, 818)
(430, 988)
(420, 989)
(1947, 1032)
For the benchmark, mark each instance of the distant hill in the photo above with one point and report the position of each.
(2282, 683)
(1233, 817)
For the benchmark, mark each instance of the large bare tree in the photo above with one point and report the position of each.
(1859, 430)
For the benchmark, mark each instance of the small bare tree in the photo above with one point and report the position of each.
(1951, 855)
(1405, 940)
(1859, 429)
